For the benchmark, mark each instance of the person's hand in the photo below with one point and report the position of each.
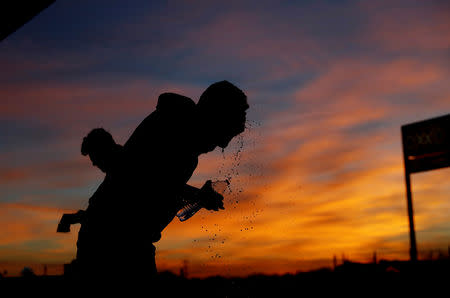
(210, 199)
(64, 223)
(69, 219)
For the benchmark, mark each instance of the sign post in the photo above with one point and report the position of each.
(426, 146)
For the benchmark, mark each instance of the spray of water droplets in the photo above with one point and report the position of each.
(236, 159)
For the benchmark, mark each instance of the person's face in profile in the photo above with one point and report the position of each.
(235, 127)
(98, 160)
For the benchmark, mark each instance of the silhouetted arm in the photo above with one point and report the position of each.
(69, 219)
(189, 193)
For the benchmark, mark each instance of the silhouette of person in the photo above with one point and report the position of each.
(95, 234)
(146, 179)
(164, 148)
(95, 231)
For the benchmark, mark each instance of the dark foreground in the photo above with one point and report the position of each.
(384, 278)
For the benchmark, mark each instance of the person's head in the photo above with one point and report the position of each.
(99, 145)
(221, 109)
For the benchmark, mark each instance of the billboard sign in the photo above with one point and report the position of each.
(426, 144)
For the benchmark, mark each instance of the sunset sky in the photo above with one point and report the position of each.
(320, 171)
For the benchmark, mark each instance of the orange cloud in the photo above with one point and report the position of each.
(12, 175)
(29, 238)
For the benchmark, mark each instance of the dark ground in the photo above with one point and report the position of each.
(382, 279)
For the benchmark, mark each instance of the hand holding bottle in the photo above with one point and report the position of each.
(208, 197)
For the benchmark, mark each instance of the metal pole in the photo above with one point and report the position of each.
(412, 231)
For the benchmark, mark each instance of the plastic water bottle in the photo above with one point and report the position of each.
(190, 209)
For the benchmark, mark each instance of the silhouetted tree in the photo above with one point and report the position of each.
(27, 272)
